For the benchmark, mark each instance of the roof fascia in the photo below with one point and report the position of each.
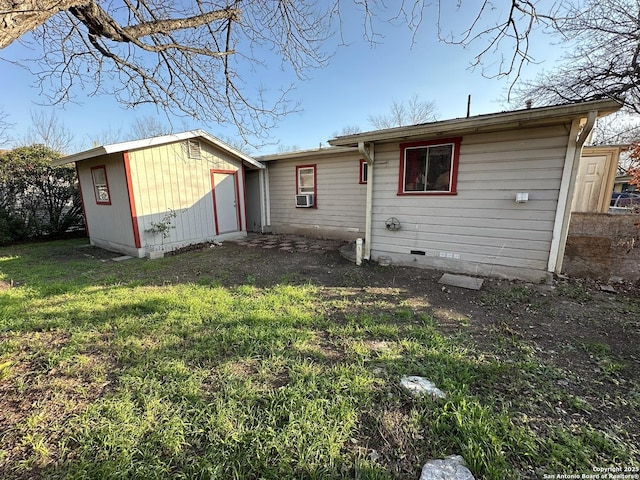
(155, 141)
(316, 152)
(483, 123)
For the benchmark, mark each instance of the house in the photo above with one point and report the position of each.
(150, 196)
(332, 179)
(487, 195)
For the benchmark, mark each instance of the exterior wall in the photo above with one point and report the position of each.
(481, 230)
(601, 246)
(339, 211)
(110, 226)
(164, 180)
(253, 199)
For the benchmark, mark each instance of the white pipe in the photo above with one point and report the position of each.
(577, 137)
(368, 153)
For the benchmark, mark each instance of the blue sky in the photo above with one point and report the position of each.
(360, 79)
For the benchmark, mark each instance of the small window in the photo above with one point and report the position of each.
(306, 179)
(194, 149)
(429, 167)
(306, 186)
(364, 170)
(100, 185)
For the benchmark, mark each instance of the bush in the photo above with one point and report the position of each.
(37, 199)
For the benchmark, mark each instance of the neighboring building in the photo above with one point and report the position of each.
(596, 177)
(155, 195)
(488, 195)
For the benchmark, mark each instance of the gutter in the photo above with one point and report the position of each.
(368, 152)
(567, 190)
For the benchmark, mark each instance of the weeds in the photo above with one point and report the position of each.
(117, 374)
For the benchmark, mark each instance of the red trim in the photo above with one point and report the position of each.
(215, 204)
(84, 211)
(315, 182)
(132, 200)
(453, 187)
(235, 176)
(363, 162)
(244, 190)
(106, 181)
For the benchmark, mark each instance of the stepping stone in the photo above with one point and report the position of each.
(448, 468)
(420, 386)
(122, 258)
(463, 281)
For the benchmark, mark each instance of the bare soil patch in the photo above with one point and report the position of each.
(584, 340)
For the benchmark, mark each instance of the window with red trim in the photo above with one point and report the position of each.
(364, 170)
(306, 179)
(101, 185)
(429, 167)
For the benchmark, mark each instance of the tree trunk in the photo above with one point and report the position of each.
(18, 17)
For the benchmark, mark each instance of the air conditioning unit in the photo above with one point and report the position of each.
(304, 200)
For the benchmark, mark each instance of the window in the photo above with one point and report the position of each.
(306, 179)
(364, 170)
(193, 146)
(429, 167)
(306, 186)
(100, 185)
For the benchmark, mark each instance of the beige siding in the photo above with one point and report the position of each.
(165, 179)
(340, 200)
(110, 226)
(481, 229)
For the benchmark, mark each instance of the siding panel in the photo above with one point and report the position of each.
(165, 179)
(482, 225)
(340, 198)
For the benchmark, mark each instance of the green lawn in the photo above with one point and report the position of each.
(114, 370)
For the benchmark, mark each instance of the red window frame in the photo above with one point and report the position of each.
(455, 158)
(315, 182)
(364, 172)
(106, 185)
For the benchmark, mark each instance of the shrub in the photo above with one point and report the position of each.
(37, 199)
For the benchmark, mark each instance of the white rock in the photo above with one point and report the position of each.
(419, 386)
(449, 468)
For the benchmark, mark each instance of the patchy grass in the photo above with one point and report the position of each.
(154, 370)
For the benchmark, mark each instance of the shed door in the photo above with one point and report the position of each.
(589, 184)
(225, 200)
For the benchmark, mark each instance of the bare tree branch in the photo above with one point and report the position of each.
(5, 126)
(49, 131)
(603, 37)
(412, 112)
(201, 58)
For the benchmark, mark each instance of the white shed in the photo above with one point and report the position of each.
(155, 195)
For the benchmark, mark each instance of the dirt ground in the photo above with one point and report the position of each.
(586, 332)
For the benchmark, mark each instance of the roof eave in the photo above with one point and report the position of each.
(307, 153)
(155, 141)
(483, 123)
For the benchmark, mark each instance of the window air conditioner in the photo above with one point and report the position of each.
(304, 200)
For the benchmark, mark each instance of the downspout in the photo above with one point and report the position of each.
(567, 190)
(368, 154)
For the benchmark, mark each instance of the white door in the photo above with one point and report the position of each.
(591, 176)
(225, 201)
